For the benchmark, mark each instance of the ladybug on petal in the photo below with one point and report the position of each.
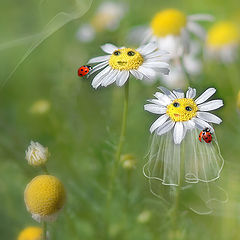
(84, 70)
(206, 135)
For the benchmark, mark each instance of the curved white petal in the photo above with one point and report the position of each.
(109, 48)
(155, 64)
(100, 77)
(197, 30)
(166, 127)
(168, 93)
(201, 17)
(159, 122)
(201, 124)
(205, 96)
(191, 93)
(110, 78)
(147, 72)
(122, 78)
(99, 59)
(147, 49)
(190, 124)
(136, 74)
(98, 67)
(209, 117)
(179, 93)
(153, 108)
(164, 99)
(178, 133)
(211, 105)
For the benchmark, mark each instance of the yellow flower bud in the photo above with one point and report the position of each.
(44, 197)
(144, 216)
(30, 233)
(36, 154)
(128, 161)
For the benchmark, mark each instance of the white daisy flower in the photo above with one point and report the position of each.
(223, 40)
(144, 63)
(171, 29)
(107, 17)
(182, 117)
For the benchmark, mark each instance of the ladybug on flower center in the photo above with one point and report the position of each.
(206, 135)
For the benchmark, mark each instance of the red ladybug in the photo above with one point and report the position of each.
(206, 135)
(84, 70)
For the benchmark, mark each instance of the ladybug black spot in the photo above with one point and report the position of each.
(85, 71)
(81, 69)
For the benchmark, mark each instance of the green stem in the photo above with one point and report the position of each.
(44, 168)
(124, 123)
(44, 228)
(185, 71)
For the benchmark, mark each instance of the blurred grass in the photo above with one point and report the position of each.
(83, 125)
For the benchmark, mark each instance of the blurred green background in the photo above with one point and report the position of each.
(82, 127)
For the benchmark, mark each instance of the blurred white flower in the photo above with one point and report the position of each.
(223, 41)
(171, 29)
(144, 63)
(107, 17)
(36, 154)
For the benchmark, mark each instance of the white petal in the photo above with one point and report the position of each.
(99, 59)
(122, 78)
(153, 108)
(148, 48)
(110, 78)
(157, 102)
(179, 93)
(156, 64)
(209, 117)
(99, 77)
(147, 72)
(211, 105)
(168, 93)
(197, 30)
(205, 96)
(178, 133)
(98, 67)
(109, 48)
(201, 17)
(164, 99)
(191, 93)
(201, 124)
(159, 122)
(156, 54)
(136, 74)
(166, 127)
(190, 124)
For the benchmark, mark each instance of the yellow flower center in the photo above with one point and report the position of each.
(44, 195)
(223, 33)
(30, 233)
(125, 59)
(168, 22)
(182, 109)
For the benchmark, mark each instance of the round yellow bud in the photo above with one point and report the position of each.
(128, 161)
(30, 233)
(44, 196)
(40, 107)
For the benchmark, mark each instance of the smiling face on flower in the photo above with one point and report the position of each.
(181, 113)
(182, 109)
(125, 59)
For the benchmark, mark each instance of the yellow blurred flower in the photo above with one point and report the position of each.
(36, 154)
(30, 233)
(44, 197)
(144, 216)
(128, 161)
(40, 107)
(222, 41)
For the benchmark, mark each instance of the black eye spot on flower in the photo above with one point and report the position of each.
(117, 53)
(176, 104)
(131, 53)
(188, 108)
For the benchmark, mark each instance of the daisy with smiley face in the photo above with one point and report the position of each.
(182, 113)
(144, 63)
